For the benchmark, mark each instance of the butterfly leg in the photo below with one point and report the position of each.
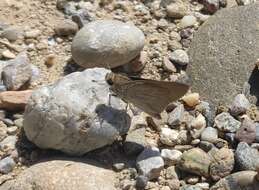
(127, 107)
(110, 97)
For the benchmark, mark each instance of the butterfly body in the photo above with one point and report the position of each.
(151, 96)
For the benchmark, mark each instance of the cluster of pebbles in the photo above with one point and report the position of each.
(194, 146)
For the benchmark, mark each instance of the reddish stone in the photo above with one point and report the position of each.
(247, 132)
(14, 100)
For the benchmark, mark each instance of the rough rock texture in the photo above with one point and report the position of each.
(244, 180)
(14, 100)
(225, 122)
(247, 158)
(150, 163)
(135, 141)
(73, 115)
(223, 53)
(222, 163)
(18, 73)
(107, 43)
(196, 161)
(62, 175)
(247, 132)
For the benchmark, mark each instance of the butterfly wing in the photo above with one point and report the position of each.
(152, 96)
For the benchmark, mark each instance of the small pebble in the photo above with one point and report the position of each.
(247, 131)
(240, 105)
(6, 165)
(192, 180)
(8, 143)
(192, 99)
(169, 136)
(206, 146)
(176, 116)
(66, 28)
(168, 65)
(209, 134)
(176, 10)
(12, 130)
(118, 167)
(11, 33)
(199, 122)
(19, 122)
(2, 114)
(245, 2)
(197, 126)
(32, 34)
(188, 21)
(225, 122)
(179, 57)
(195, 142)
(136, 65)
(150, 163)
(171, 157)
(175, 36)
(8, 122)
(211, 6)
(8, 54)
(50, 60)
(165, 188)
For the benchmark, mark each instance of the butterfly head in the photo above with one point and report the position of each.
(110, 78)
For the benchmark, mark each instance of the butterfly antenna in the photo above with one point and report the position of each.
(105, 63)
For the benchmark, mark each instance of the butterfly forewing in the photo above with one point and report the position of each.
(149, 95)
(153, 96)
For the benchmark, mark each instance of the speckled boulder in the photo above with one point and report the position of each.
(75, 114)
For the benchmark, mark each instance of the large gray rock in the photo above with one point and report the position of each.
(107, 43)
(62, 175)
(76, 114)
(223, 53)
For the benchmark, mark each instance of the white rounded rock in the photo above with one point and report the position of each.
(107, 43)
(75, 114)
(188, 21)
(169, 136)
(171, 157)
(180, 57)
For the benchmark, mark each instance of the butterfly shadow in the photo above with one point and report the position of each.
(254, 84)
(113, 117)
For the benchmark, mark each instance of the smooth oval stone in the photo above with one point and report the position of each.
(107, 43)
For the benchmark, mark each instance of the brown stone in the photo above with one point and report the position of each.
(14, 100)
(222, 163)
(247, 132)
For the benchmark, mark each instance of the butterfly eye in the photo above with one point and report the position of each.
(108, 79)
